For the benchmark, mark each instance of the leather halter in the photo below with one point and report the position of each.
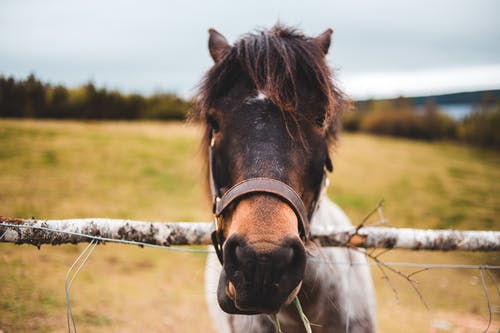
(257, 185)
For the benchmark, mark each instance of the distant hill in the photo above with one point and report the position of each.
(472, 97)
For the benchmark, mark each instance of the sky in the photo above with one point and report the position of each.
(380, 48)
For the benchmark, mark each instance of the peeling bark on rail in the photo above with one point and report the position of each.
(54, 232)
(413, 239)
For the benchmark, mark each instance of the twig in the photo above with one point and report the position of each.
(386, 277)
(381, 216)
(379, 222)
(418, 271)
(374, 210)
(382, 252)
(392, 269)
(355, 238)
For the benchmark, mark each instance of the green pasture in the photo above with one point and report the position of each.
(153, 171)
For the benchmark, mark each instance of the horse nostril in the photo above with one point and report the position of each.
(284, 255)
(236, 255)
(239, 253)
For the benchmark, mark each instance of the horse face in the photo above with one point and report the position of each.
(264, 257)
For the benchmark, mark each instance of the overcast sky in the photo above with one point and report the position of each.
(380, 48)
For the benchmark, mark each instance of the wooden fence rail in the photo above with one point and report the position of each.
(54, 232)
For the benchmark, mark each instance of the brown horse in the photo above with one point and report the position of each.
(271, 109)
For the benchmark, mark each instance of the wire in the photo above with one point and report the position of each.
(312, 259)
(487, 294)
(87, 251)
(406, 264)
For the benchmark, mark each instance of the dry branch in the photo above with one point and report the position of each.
(38, 232)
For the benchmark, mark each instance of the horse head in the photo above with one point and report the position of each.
(270, 108)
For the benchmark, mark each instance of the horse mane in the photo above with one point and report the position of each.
(276, 61)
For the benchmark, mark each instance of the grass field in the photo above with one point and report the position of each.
(151, 171)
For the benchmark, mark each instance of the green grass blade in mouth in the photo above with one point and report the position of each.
(305, 321)
(276, 321)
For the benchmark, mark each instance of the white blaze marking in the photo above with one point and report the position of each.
(261, 96)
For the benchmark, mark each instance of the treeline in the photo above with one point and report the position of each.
(30, 98)
(401, 117)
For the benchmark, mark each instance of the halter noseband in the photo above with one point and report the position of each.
(257, 185)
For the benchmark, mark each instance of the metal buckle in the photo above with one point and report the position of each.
(217, 219)
(218, 223)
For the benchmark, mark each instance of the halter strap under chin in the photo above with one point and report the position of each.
(257, 185)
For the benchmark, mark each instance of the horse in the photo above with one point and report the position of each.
(271, 110)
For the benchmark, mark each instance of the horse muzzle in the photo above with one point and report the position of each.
(254, 282)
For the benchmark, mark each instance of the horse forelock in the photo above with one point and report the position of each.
(279, 63)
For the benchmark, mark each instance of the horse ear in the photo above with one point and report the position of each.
(217, 44)
(324, 40)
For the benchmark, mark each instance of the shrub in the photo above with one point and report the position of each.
(437, 125)
(351, 120)
(400, 118)
(393, 122)
(482, 127)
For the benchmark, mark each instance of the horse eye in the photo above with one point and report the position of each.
(320, 121)
(213, 123)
